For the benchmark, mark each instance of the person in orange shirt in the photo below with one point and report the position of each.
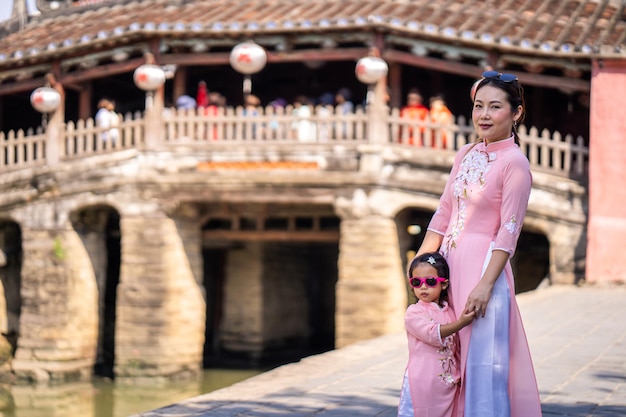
(415, 111)
(442, 118)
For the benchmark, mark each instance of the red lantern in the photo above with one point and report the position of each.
(248, 58)
(370, 69)
(149, 77)
(45, 99)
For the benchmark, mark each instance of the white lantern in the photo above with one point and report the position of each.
(149, 77)
(248, 58)
(45, 99)
(370, 69)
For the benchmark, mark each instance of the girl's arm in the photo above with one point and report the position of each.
(450, 328)
(418, 325)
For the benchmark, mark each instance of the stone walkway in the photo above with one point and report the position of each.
(577, 337)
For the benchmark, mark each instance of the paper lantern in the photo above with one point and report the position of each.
(45, 99)
(371, 69)
(248, 58)
(149, 77)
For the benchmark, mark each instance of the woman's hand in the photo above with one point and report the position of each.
(478, 299)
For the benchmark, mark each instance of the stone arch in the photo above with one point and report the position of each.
(412, 223)
(566, 245)
(98, 226)
(531, 262)
(270, 272)
(10, 278)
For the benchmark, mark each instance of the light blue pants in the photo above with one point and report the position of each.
(487, 368)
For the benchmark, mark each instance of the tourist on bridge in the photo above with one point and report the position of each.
(415, 113)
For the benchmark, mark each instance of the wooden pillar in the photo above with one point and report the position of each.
(84, 101)
(607, 195)
(56, 125)
(180, 83)
(395, 82)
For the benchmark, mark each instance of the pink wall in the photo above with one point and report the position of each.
(606, 240)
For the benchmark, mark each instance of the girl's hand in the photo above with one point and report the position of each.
(478, 299)
(466, 318)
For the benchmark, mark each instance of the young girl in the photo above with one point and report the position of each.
(432, 376)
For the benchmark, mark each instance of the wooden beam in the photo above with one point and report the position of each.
(272, 235)
(223, 58)
(103, 71)
(474, 71)
(77, 77)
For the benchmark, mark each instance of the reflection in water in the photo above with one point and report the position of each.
(103, 398)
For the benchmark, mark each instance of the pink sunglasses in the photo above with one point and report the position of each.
(416, 282)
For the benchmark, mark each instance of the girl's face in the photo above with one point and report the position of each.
(492, 115)
(425, 293)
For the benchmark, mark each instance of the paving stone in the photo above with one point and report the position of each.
(579, 360)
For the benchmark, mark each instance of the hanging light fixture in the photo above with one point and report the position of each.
(370, 69)
(248, 58)
(149, 77)
(45, 99)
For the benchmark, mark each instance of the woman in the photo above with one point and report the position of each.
(476, 227)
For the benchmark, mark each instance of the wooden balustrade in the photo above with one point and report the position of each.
(547, 152)
(22, 149)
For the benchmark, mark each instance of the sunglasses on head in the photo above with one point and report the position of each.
(416, 282)
(507, 78)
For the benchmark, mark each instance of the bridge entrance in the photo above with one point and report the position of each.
(269, 273)
(531, 263)
(99, 230)
(10, 277)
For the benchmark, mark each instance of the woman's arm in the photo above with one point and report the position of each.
(431, 243)
(479, 297)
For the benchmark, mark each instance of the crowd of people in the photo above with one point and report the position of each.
(438, 116)
(424, 126)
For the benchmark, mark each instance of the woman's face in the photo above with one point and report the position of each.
(492, 115)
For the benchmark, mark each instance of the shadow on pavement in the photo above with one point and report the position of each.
(583, 410)
(293, 403)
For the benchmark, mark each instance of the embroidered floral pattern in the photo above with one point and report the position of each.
(511, 225)
(472, 171)
(447, 361)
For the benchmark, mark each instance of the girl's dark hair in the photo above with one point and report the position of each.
(440, 264)
(514, 94)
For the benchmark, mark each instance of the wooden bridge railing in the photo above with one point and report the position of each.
(547, 152)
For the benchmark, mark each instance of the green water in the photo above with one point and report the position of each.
(103, 398)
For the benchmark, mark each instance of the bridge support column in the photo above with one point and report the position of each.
(58, 321)
(160, 301)
(371, 295)
(567, 253)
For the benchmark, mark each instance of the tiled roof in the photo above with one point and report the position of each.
(549, 28)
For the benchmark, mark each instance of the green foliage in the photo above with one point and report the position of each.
(59, 251)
